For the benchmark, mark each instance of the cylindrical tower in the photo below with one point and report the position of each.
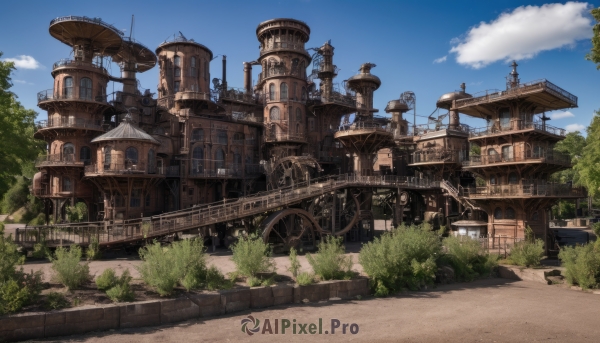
(283, 78)
(364, 84)
(327, 71)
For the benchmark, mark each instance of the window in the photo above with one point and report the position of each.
(151, 162)
(498, 213)
(303, 93)
(177, 60)
(274, 113)
(535, 216)
(197, 160)
(67, 186)
(176, 86)
(148, 202)
(510, 213)
(135, 199)
(237, 159)
(311, 124)
(68, 88)
(177, 72)
(219, 159)
(197, 135)
(238, 137)
(68, 152)
(493, 156)
(284, 91)
(131, 156)
(85, 89)
(271, 92)
(513, 178)
(504, 118)
(222, 136)
(507, 153)
(298, 115)
(85, 154)
(193, 67)
(107, 156)
(493, 180)
(191, 191)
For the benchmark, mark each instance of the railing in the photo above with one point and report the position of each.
(173, 171)
(73, 94)
(59, 159)
(239, 94)
(280, 70)
(438, 156)
(78, 64)
(524, 190)
(366, 125)
(553, 157)
(119, 168)
(70, 123)
(166, 101)
(192, 95)
(137, 229)
(86, 19)
(334, 97)
(519, 90)
(282, 137)
(497, 128)
(283, 46)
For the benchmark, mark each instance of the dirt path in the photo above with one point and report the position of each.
(493, 310)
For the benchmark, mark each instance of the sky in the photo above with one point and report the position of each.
(427, 47)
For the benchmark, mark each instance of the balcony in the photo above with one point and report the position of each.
(127, 169)
(337, 98)
(239, 95)
(527, 190)
(543, 156)
(70, 123)
(192, 95)
(498, 128)
(50, 95)
(59, 160)
(234, 171)
(284, 137)
(278, 46)
(68, 63)
(437, 156)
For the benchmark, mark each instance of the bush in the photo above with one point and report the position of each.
(107, 280)
(330, 262)
(305, 278)
(403, 258)
(582, 264)
(77, 213)
(67, 267)
(215, 280)
(93, 250)
(117, 288)
(121, 293)
(468, 258)
(55, 301)
(294, 263)
(16, 196)
(252, 256)
(183, 263)
(527, 253)
(41, 250)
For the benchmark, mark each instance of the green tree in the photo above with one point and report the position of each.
(77, 213)
(594, 54)
(587, 165)
(16, 129)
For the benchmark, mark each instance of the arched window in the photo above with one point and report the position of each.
(193, 66)
(238, 138)
(219, 159)
(68, 152)
(284, 91)
(271, 92)
(498, 213)
(85, 154)
(197, 135)
(177, 60)
(507, 153)
(131, 156)
(513, 178)
(298, 115)
(107, 156)
(274, 113)
(197, 160)
(492, 155)
(67, 186)
(151, 162)
(68, 88)
(303, 93)
(85, 89)
(237, 159)
(504, 118)
(510, 213)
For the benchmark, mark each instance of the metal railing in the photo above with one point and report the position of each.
(551, 156)
(73, 94)
(498, 128)
(239, 94)
(438, 156)
(77, 64)
(282, 137)
(334, 97)
(70, 123)
(193, 95)
(283, 46)
(123, 168)
(59, 159)
(86, 19)
(534, 189)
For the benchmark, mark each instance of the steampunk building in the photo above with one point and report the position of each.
(296, 154)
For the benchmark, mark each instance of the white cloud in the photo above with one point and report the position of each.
(523, 33)
(24, 62)
(574, 127)
(441, 59)
(22, 82)
(561, 115)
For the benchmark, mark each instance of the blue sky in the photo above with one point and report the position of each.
(404, 39)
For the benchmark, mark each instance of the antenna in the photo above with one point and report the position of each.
(131, 31)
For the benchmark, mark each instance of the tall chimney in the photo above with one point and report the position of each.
(224, 72)
(248, 77)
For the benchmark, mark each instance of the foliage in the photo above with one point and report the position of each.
(475, 149)
(586, 167)
(116, 288)
(16, 196)
(40, 219)
(67, 267)
(294, 263)
(216, 280)
(330, 262)
(55, 301)
(468, 258)
(108, 279)
(40, 250)
(121, 292)
(305, 278)
(582, 264)
(253, 281)
(527, 253)
(16, 129)
(93, 250)
(403, 258)
(252, 255)
(594, 54)
(77, 213)
(9, 258)
(564, 209)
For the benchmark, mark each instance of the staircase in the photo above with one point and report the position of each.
(453, 192)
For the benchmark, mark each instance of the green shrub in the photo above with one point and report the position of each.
(330, 262)
(468, 258)
(16, 196)
(55, 301)
(527, 253)
(41, 250)
(107, 280)
(294, 263)
(121, 293)
(403, 258)
(40, 219)
(117, 288)
(253, 281)
(67, 267)
(93, 250)
(252, 255)
(9, 258)
(582, 264)
(77, 213)
(305, 278)
(215, 280)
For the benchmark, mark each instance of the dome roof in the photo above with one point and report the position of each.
(364, 76)
(126, 131)
(445, 101)
(396, 106)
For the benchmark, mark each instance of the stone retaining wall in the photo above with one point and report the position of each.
(156, 312)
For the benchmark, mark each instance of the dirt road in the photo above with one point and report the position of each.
(493, 310)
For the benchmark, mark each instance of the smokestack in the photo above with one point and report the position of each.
(248, 77)
(224, 72)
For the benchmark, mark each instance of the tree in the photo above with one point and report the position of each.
(594, 54)
(16, 131)
(572, 145)
(587, 164)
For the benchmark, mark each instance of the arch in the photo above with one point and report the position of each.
(67, 185)
(274, 113)
(131, 156)
(85, 88)
(283, 91)
(68, 88)
(535, 216)
(219, 159)
(271, 91)
(197, 160)
(85, 154)
(298, 115)
(498, 213)
(509, 213)
(151, 162)
(107, 156)
(68, 152)
(197, 135)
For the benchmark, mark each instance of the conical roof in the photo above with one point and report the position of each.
(126, 131)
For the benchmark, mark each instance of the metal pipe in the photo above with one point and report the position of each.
(224, 72)
(248, 77)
